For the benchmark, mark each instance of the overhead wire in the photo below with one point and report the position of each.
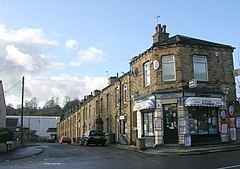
(13, 86)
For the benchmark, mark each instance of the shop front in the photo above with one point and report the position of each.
(170, 117)
(204, 119)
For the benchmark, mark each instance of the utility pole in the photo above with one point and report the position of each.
(22, 111)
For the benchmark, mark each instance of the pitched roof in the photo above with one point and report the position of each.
(180, 39)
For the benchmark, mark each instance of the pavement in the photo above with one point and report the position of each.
(35, 149)
(21, 152)
(176, 150)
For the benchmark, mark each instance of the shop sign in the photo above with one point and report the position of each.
(169, 101)
(192, 83)
(169, 95)
(146, 104)
(203, 101)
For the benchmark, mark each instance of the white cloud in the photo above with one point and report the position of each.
(90, 55)
(26, 35)
(71, 44)
(19, 58)
(57, 87)
(22, 52)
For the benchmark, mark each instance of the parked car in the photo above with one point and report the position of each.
(50, 139)
(93, 137)
(65, 139)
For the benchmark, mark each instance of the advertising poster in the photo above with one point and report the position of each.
(224, 129)
(232, 122)
(182, 129)
(188, 141)
(158, 124)
(233, 134)
(238, 122)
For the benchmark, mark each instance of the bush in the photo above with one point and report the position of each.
(5, 135)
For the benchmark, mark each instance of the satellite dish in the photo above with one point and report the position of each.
(155, 64)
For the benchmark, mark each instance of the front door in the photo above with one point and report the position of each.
(170, 124)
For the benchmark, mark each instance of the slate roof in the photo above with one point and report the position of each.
(180, 39)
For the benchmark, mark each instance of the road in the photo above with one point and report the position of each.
(65, 156)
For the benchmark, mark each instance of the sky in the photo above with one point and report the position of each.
(71, 47)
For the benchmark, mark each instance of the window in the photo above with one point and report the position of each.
(146, 68)
(124, 93)
(117, 96)
(108, 99)
(200, 68)
(148, 124)
(89, 113)
(168, 68)
(203, 120)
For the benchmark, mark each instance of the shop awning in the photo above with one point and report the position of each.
(204, 101)
(142, 105)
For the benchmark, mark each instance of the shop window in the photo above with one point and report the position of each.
(200, 68)
(147, 78)
(148, 124)
(168, 68)
(203, 120)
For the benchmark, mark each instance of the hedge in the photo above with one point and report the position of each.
(5, 135)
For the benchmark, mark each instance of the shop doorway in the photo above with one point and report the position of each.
(170, 124)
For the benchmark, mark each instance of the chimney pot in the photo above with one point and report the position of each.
(158, 28)
(164, 28)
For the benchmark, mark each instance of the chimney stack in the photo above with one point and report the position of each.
(161, 35)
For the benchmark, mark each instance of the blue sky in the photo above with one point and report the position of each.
(68, 48)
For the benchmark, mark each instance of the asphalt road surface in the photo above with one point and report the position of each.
(65, 156)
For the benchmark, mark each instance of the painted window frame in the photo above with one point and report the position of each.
(166, 62)
(147, 73)
(203, 66)
(125, 87)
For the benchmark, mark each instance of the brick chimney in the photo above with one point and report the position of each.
(160, 36)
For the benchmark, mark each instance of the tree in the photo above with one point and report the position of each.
(66, 100)
(50, 103)
(71, 104)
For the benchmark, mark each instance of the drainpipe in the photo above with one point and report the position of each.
(130, 107)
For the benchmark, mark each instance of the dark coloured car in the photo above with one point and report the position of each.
(93, 137)
(65, 139)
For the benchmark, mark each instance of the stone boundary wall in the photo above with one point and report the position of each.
(7, 147)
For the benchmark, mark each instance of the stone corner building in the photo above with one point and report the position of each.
(178, 90)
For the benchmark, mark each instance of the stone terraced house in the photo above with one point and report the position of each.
(180, 91)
